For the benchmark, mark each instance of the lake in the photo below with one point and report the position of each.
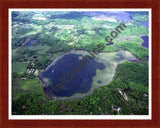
(30, 43)
(110, 43)
(145, 41)
(81, 82)
(99, 71)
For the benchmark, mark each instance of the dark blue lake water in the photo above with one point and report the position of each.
(147, 58)
(111, 43)
(81, 82)
(145, 41)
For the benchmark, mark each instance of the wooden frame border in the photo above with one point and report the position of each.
(6, 4)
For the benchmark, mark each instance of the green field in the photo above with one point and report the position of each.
(19, 67)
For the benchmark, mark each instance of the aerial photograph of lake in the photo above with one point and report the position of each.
(80, 62)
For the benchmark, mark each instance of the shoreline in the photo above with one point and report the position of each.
(90, 91)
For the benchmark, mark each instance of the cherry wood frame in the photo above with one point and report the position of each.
(6, 4)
